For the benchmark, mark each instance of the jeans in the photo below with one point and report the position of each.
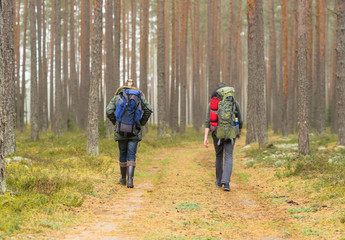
(223, 165)
(128, 149)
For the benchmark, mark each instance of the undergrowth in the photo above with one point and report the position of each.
(325, 163)
(55, 176)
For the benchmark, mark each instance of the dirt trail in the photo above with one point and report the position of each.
(176, 198)
(110, 216)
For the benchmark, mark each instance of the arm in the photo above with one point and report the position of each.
(110, 110)
(239, 115)
(147, 110)
(206, 142)
(207, 127)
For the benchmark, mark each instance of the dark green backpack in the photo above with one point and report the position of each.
(226, 113)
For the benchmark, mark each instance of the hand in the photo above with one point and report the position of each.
(206, 143)
(238, 136)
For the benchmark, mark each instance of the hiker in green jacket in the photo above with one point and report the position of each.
(128, 111)
(224, 120)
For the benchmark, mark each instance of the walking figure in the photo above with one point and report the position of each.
(224, 120)
(128, 111)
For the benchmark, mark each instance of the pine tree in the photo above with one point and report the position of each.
(109, 58)
(85, 63)
(341, 71)
(2, 90)
(183, 64)
(92, 132)
(161, 131)
(9, 76)
(58, 86)
(133, 50)
(302, 53)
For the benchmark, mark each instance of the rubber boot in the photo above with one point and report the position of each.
(123, 176)
(130, 170)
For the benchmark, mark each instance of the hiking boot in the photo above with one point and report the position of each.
(226, 187)
(123, 176)
(218, 184)
(130, 170)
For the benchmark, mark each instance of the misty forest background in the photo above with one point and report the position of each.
(62, 61)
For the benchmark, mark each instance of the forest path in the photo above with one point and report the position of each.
(175, 198)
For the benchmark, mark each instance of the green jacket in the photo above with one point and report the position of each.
(111, 108)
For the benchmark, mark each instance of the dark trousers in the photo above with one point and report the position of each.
(224, 162)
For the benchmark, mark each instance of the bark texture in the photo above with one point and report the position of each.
(109, 58)
(85, 63)
(33, 78)
(285, 67)
(183, 65)
(302, 84)
(2, 120)
(144, 34)
(73, 73)
(92, 129)
(161, 131)
(257, 128)
(320, 97)
(58, 86)
(133, 50)
(9, 76)
(341, 72)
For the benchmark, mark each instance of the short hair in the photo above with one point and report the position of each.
(220, 84)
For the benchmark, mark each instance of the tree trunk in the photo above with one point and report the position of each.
(58, 86)
(341, 71)
(303, 86)
(2, 101)
(85, 63)
(44, 76)
(272, 68)
(74, 104)
(183, 64)
(252, 35)
(333, 104)
(40, 69)
(309, 23)
(229, 48)
(124, 41)
(285, 67)
(133, 50)
(174, 71)
(109, 59)
(196, 66)
(52, 44)
(144, 33)
(161, 130)
(92, 132)
(17, 59)
(9, 76)
(320, 118)
(167, 58)
(260, 75)
(33, 76)
(65, 87)
(23, 92)
(117, 49)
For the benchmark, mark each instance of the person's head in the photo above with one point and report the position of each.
(221, 84)
(129, 83)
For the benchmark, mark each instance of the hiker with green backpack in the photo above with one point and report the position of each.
(224, 121)
(128, 111)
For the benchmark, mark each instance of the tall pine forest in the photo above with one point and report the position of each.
(61, 62)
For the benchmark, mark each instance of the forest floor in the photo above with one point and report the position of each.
(175, 198)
